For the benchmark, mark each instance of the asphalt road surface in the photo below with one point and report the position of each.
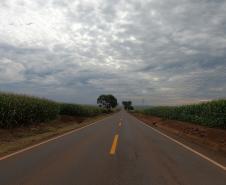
(118, 150)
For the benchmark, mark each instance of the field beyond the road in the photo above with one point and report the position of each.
(210, 114)
(21, 110)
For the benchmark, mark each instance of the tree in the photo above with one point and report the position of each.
(127, 105)
(107, 101)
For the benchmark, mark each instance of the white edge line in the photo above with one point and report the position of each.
(185, 146)
(52, 139)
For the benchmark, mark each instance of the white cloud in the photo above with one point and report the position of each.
(11, 71)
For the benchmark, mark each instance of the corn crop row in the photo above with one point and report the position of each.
(79, 110)
(211, 114)
(20, 110)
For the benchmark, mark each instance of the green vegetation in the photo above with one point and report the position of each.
(211, 114)
(79, 110)
(20, 110)
(107, 102)
(127, 105)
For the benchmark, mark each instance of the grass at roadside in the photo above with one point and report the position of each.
(12, 140)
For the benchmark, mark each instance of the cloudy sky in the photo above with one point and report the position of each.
(157, 51)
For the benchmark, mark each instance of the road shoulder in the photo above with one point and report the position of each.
(200, 145)
(14, 140)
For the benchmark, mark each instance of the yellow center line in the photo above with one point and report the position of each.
(120, 124)
(114, 145)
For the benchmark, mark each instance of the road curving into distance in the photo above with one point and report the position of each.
(118, 150)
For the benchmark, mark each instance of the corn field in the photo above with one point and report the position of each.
(79, 110)
(211, 114)
(20, 110)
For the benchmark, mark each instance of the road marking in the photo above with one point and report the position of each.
(120, 124)
(114, 145)
(186, 147)
(52, 139)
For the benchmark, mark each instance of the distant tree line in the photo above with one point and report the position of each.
(127, 105)
(108, 102)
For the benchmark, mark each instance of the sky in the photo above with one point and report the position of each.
(153, 52)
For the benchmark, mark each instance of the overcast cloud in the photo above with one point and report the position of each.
(162, 51)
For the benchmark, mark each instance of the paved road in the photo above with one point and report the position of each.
(140, 156)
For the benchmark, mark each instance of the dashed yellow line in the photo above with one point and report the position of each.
(114, 145)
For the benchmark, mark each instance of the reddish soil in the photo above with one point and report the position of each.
(212, 138)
